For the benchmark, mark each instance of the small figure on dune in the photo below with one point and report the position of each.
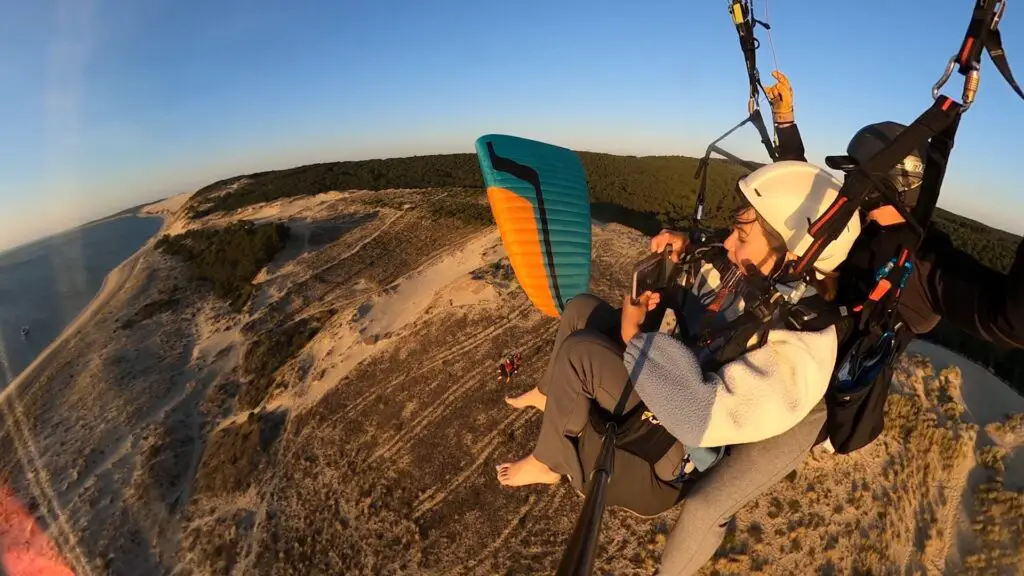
(508, 367)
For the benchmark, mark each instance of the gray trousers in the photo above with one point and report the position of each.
(586, 366)
(747, 472)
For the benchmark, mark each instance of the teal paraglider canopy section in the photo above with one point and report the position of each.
(538, 195)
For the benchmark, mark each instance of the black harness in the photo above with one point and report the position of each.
(638, 431)
(856, 397)
(936, 127)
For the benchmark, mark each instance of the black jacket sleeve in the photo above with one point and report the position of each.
(791, 145)
(972, 296)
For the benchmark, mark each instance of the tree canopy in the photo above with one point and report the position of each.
(229, 257)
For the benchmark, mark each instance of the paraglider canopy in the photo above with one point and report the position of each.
(538, 195)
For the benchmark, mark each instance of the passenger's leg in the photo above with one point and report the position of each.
(587, 367)
(584, 311)
(746, 473)
(634, 484)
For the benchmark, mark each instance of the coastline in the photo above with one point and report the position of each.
(113, 283)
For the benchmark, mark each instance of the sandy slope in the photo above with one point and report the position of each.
(373, 450)
(987, 400)
(985, 396)
(167, 206)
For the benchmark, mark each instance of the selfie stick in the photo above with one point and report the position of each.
(578, 559)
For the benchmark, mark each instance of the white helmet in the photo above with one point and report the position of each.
(789, 196)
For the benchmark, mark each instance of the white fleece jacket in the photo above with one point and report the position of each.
(760, 395)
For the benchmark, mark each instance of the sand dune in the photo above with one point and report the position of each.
(371, 450)
(167, 206)
(985, 396)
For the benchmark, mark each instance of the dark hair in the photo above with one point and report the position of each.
(776, 242)
(827, 287)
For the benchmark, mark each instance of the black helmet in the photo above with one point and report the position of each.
(905, 178)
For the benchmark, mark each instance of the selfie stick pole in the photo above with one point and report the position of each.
(578, 559)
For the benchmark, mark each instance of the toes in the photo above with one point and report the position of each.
(503, 477)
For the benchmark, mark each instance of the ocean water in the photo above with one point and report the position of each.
(44, 285)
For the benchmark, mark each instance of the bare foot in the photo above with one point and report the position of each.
(534, 398)
(529, 470)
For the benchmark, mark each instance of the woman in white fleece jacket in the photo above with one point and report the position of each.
(759, 397)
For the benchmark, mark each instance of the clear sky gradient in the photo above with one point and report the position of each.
(109, 103)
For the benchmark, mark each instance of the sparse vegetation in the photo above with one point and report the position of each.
(233, 454)
(756, 532)
(271, 350)
(935, 449)
(468, 207)
(230, 257)
(991, 457)
(997, 521)
(1008, 433)
(151, 309)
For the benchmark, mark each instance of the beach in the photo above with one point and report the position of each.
(46, 285)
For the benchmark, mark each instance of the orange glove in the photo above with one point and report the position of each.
(780, 96)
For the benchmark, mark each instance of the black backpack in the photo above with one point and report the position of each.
(871, 339)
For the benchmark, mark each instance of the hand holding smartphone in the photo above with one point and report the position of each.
(652, 273)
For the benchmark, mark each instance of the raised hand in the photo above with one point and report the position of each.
(780, 95)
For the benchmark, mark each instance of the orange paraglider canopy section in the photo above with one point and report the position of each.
(25, 549)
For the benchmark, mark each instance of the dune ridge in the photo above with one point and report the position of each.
(370, 449)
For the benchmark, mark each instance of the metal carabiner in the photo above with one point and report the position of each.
(999, 15)
(971, 83)
(944, 78)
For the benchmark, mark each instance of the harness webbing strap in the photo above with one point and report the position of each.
(983, 35)
(758, 121)
(974, 39)
(893, 274)
(939, 148)
(643, 439)
(994, 45)
(943, 113)
(744, 21)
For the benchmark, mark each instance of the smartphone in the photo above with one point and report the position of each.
(652, 273)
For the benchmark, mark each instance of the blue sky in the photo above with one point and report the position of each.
(105, 104)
